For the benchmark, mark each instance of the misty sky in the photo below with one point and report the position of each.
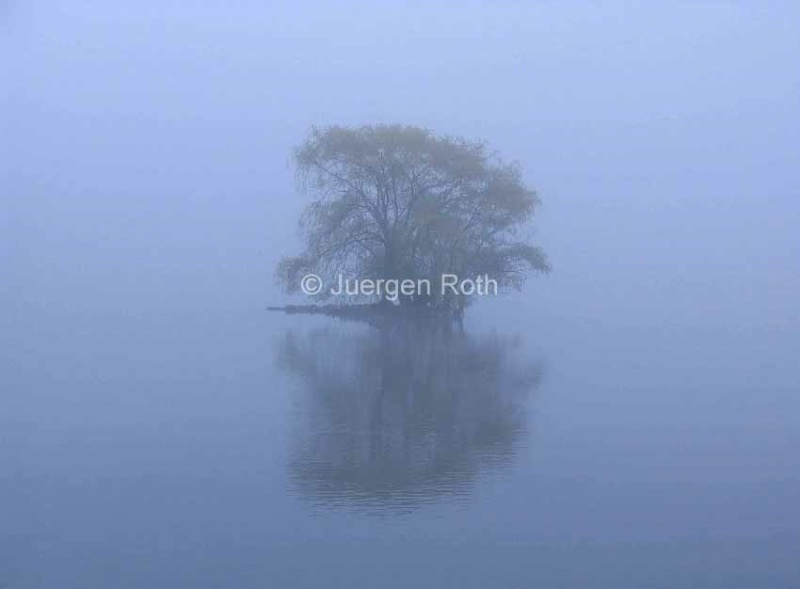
(148, 145)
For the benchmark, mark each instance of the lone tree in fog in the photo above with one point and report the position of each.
(399, 202)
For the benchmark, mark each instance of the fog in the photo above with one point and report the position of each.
(147, 195)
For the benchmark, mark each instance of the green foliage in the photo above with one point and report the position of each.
(399, 202)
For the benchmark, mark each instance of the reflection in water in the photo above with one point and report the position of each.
(400, 416)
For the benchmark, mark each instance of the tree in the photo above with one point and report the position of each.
(399, 202)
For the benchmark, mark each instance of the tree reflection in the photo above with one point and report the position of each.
(403, 414)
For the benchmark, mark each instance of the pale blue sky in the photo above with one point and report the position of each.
(149, 144)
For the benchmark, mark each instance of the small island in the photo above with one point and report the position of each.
(407, 223)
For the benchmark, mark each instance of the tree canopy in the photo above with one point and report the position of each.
(399, 202)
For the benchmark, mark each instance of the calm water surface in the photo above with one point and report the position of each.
(249, 449)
